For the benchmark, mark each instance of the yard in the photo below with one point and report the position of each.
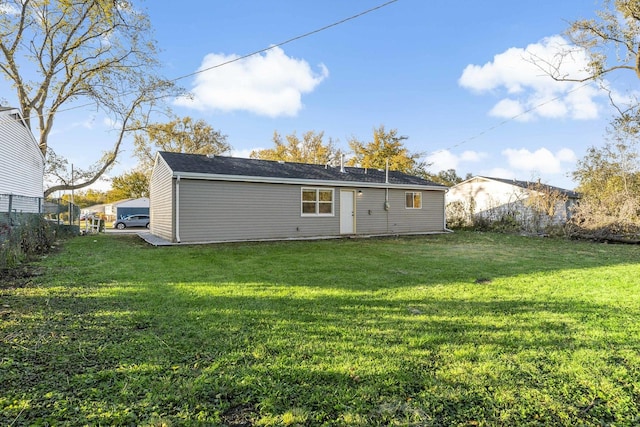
(464, 329)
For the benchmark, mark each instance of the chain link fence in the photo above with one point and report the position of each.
(30, 225)
(60, 211)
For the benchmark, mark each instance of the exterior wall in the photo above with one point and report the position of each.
(488, 198)
(161, 201)
(221, 211)
(493, 200)
(372, 218)
(21, 162)
(130, 207)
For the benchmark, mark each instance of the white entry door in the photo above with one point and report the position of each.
(347, 212)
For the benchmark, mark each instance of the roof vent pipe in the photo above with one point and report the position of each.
(386, 177)
(341, 163)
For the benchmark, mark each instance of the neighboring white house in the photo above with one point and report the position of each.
(21, 165)
(496, 198)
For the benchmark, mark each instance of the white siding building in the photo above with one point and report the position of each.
(21, 164)
(494, 199)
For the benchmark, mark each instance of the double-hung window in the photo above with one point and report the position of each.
(317, 202)
(413, 200)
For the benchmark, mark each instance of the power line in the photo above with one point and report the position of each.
(257, 52)
(507, 120)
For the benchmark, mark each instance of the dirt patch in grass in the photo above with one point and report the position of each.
(239, 416)
(23, 274)
(18, 277)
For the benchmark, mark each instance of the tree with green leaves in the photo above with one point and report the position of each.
(181, 135)
(310, 149)
(130, 185)
(61, 54)
(386, 146)
(86, 198)
(448, 177)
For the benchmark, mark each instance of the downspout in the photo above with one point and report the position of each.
(386, 195)
(178, 209)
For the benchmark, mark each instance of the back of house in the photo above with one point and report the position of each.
(197, 198)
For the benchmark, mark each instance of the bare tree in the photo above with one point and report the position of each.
(58, 54)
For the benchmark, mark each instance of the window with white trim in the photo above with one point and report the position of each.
(317, 202)
(413, 200)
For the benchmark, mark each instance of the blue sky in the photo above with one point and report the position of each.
(449, 76)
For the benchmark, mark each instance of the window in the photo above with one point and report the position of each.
(317, 202)
(413, 200)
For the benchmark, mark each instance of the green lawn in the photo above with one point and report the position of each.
(464, 329)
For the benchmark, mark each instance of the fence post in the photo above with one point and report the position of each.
(10, 209)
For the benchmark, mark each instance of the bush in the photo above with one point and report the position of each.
(29, 235)
(595, 220)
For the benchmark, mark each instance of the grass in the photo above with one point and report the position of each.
(464, 329)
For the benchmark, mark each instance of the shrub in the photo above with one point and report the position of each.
(28, 235)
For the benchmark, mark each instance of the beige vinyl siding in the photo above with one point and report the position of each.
(161, 201)
(221, 210)
(21, 162)
(372, 218)
(429, 218)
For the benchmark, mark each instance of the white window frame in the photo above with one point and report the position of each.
(413, 195)
(317, 201)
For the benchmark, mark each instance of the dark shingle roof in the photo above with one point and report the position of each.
(235, 166)
(528, 184)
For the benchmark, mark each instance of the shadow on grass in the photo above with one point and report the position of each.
(95, 359)
(271, 334)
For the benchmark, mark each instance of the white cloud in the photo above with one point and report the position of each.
(111, 123)
(269, 84)
(518, 76)
(473, 156)
(499, 173)
(444, 159)
(244, 154)
(9, 9)
(540, 161)
(510, 108)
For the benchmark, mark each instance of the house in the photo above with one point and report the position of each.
(21, 165)
(94, 210)
(198, 198)
(126, 207)
(533, 204)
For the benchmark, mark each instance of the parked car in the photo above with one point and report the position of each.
(137, 220)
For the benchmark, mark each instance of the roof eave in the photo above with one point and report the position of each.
(300, 181)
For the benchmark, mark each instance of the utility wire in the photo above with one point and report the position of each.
(507, 120)
(257, 52)
(326, 27)
(342, 21)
